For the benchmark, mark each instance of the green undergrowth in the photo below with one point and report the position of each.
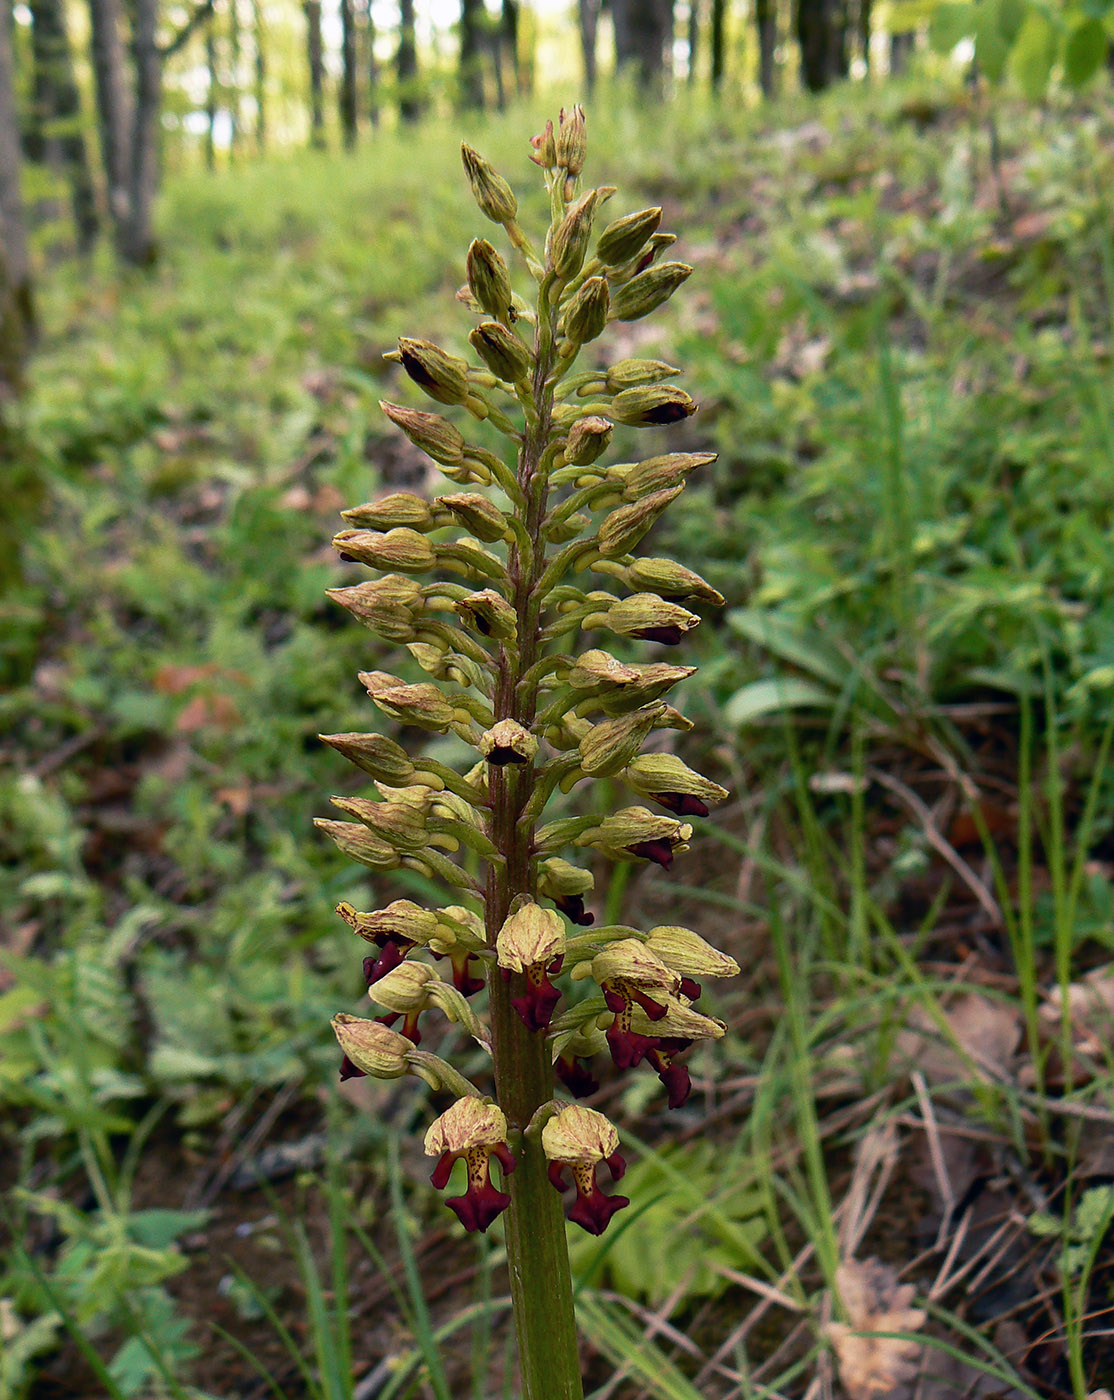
(909, 389)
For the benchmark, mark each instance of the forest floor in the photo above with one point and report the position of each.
(904, 359)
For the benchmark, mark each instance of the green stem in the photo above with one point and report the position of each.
(537, 1252)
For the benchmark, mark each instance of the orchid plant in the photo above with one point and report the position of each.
(495, 639)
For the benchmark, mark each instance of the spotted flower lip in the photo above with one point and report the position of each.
(476, 1130)
(579, 1139)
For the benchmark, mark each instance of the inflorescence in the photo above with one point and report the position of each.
(540, 719)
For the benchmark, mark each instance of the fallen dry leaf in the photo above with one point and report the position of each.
(874, 1302)
(1090, 1010)
(986, 1034)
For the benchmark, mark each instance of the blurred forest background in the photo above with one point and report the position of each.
(215, 218)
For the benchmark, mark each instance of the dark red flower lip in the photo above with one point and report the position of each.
(681, 804)
(669, 635)
(659, 851)
(502, 756)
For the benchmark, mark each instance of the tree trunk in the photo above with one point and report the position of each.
(471, 78)
(232, 92)
(813, 37)
(113, 106)
(17, 307)
(316, 57)
(372, 66)
(589, 15)
(865, 30)
(59, 110)
(765, 19)
(508, 38)
(211, 96)
(260, 77)
(693, 38)
(719, 45)
(137, 244)
(643, 30)
(349, 116)
(901, 47)
(406, 64)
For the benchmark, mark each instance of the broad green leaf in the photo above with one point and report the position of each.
(159, 1228)
(991, 44)
(771, 697)
(1085, 51)
(1033, 54)
(950, 24)
(789, 641)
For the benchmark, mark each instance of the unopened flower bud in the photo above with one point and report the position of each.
(375, 754)
(569, 242)
(647, 291)
(586, 314)
(354, 840)
(689, 954)
(545, 148)
(371, 1047)
(444, 377)
(659, 473)
(477, 1131)
(670, 581)
(490, 191)
(649, 617)
(397, 549)
(489, 613)
(579, 1139)
(652, 406)
(405, 991)
(623, 686)
(501, 350)
(399, 508)
(435, 436)
(508, 742)
(489, 279)
(387, 605)
(481, 517)
(622, 239)
(620, 531)
(588, 440)
(611, 745)
(572, 141)
(636, 374)
(422, 705)
(398, 824)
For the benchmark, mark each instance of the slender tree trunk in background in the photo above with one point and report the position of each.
(372, 64)
(406, 64)
(901, 47)
(211, 96)
(508, 39)
(765, 20)
(349, 116)
(718, 42)
(17, 304)
(643, 29)
(137, 244)
(865, 30)
(588, 12)
(471, 78)
(316, 58)
(838, 17)
(259, 38)
(495, 48)
(812, 35)
(693, 38)
(114, 113)
(232, 94)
